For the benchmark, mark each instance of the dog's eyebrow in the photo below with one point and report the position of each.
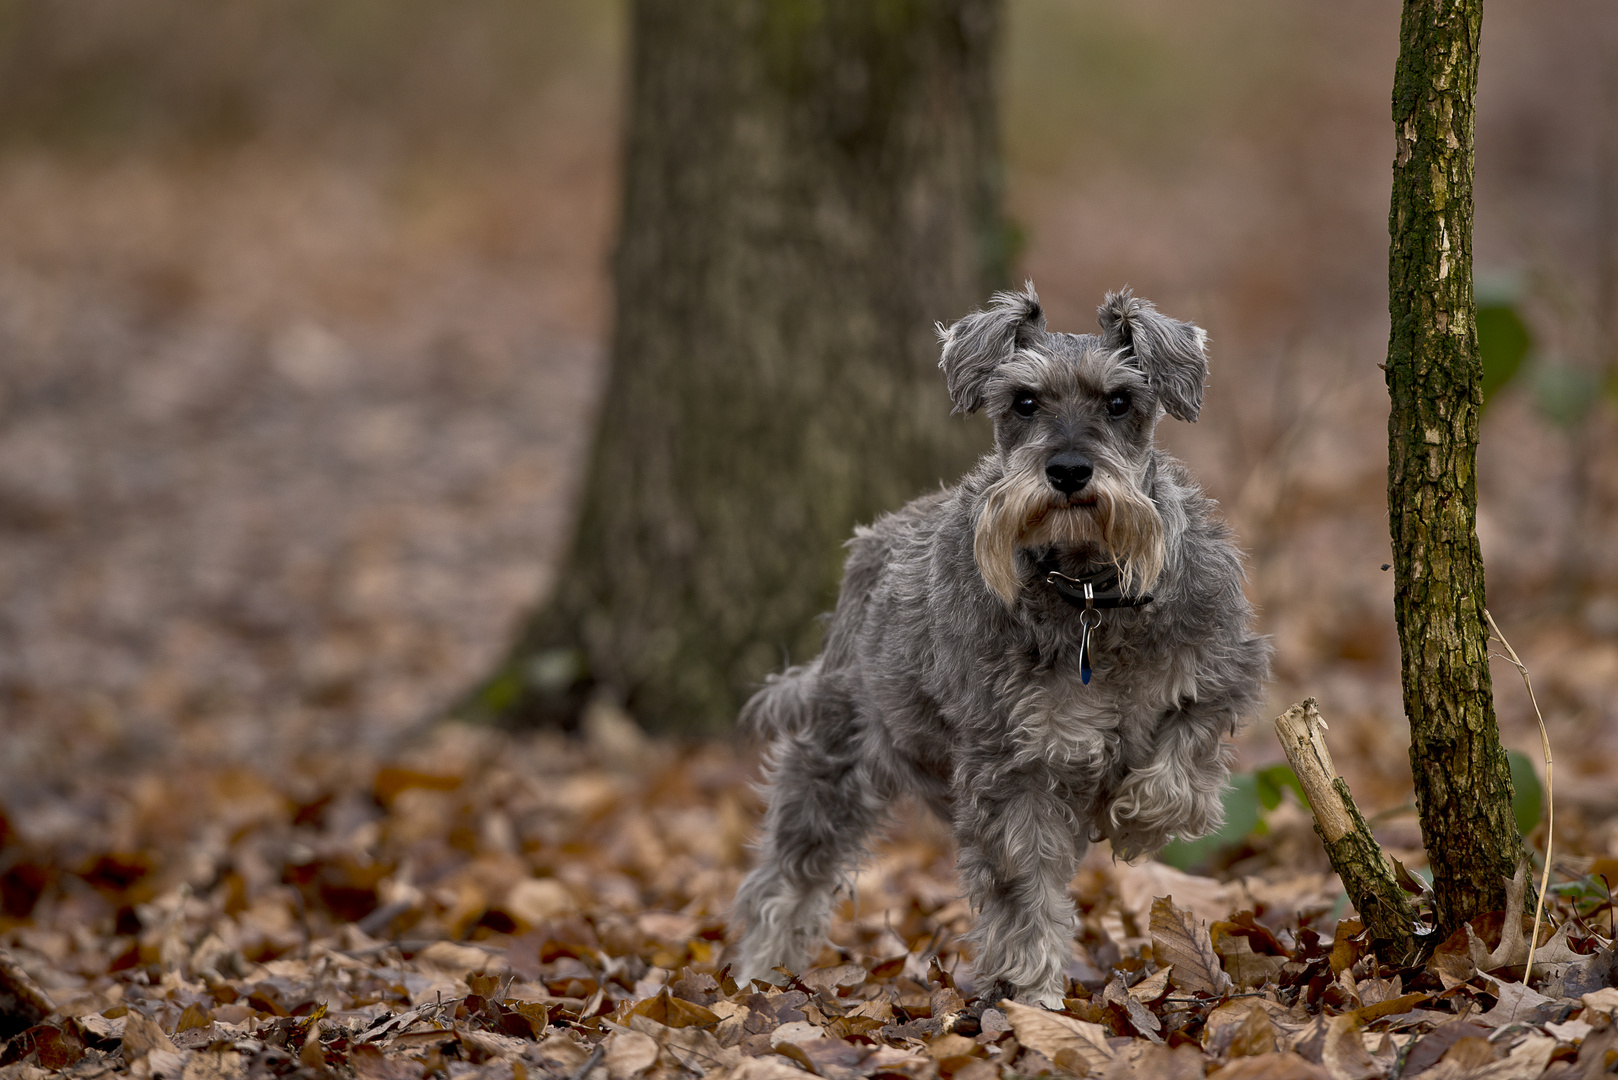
(1100, 372)
(1132, 381)
(1028, 368)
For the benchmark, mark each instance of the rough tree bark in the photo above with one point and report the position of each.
(808, 187)
(1463, 781)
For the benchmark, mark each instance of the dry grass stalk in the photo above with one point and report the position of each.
(1515, 661)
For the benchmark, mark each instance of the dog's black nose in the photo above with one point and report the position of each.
(1068, 472)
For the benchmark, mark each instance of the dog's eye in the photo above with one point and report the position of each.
(1024, 404)
(1118, 404)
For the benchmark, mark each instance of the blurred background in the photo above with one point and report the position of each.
(303, 314)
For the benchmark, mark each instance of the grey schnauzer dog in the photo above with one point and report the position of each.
(1048, 653)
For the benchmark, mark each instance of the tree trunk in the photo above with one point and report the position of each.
(808, 187)
(1463, 781)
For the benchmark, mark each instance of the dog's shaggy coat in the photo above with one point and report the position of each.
(951, 668)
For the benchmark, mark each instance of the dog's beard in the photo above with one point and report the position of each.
(1021, 511)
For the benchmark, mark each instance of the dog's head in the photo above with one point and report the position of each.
(1073, 418)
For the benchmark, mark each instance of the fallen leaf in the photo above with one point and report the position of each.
(978, 1069)
(1052, 1033)
(142, 1036)
(194, 1016)
(1151, 988)
(221, 1065)
(950, 1046)
(1575, 980)
(828, 980)
(1140, 1017)
(1283, 1066)
(1389, 1007)
(492, 1046)
(53, 1047)
(1157, 1062)
(1376, 991)
(391, 780)
(629, 1053)
(694, 1048)
(1526, 1061)
(369, 1063)
(675, 1012)
(1431, 1047)
(887, 969)
(796, 1031)
(1516, 1004)
(946, 1005)
(21, 999)
(1139, 885)
(1512, 947)
(1349, 944)
(1222, 1023)
(1603, 1000)
(1557, 949)
(1245, 967)
(534, 900)
(824, 1057)
(1343, 1053)
(768, 1067)
(1466, 1054)
(1256, 1036)
(563, 1051)
(459, 961)
(1597, 1053)
(1569, 1031)
(1177, 941)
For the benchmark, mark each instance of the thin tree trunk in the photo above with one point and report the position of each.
(808, 188)
(1463, 781)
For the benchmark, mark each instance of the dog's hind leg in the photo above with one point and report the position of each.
(1020, 845)
(823, 804)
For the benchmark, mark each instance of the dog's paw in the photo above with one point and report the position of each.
(1159, 803)
(1050, 1001)
(997, 992)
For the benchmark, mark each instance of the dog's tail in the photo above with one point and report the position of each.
(784, 705)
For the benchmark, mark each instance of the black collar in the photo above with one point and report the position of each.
(1100, 589)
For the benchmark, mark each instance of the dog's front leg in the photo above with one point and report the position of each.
(1177, 789)
(1019, 848)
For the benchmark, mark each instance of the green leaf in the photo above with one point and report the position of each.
(1584, 888)
(1564, 395)
(500, 692)
(1276, 779)
(1526, 798)
(1241, 818)
(1503, 341)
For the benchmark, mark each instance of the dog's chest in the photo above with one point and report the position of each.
(1089, 731)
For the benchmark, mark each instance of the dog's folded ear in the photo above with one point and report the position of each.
(1172, 354)
(984, 340)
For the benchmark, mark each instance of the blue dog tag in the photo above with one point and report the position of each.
(1089, 618)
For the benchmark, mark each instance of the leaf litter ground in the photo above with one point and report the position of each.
(537, 906)
(291, 441)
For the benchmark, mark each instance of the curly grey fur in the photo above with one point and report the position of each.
(950, 670)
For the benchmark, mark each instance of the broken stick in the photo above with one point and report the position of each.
(1359, 860)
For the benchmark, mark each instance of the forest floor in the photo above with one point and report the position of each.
(288, 445)
(268, 506)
